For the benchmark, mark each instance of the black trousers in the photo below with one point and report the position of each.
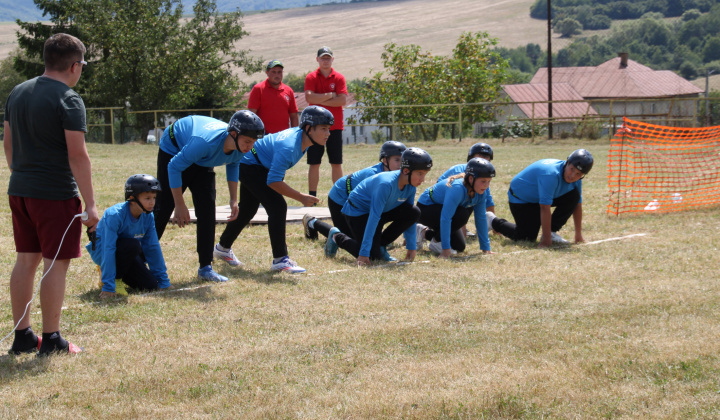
(130, 265)
(400, 219)
(253, 192)
(527, 217)
(430, 217)
(201, 182)
(338, 220)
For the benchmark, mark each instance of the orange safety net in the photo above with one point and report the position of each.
(653, 168)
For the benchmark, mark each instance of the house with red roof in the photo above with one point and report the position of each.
(618, 87)
(623, 87)
(527, 102)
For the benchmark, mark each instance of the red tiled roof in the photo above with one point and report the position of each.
(537, 92)
(608, 80)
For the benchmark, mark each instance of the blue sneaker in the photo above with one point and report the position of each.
(331, 246)
(208, 274)
(386, 256)
(287, 265)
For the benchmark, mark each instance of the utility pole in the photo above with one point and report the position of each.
(549, 60)
(707, 95)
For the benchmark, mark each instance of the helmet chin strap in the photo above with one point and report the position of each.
(472, 186)
(135, 200)
(307, 132)
(235, 138)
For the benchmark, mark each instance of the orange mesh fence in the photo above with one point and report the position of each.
(653, 168)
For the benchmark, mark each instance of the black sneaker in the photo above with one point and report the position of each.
(18, 351)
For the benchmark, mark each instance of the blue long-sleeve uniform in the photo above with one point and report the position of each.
(374, 196)
(338, 193)
(460, 169)
(541, 182)
(454, 196)
(118, 222)
(277, 152)
(200, 140)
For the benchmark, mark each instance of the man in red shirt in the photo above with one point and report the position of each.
(274, 101)
(326, 87)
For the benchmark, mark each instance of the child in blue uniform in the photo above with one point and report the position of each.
(544, 184)
(262, 173)
(446, 208)
(390, 153)
(126, 239)
(387, 197)
(189, 150)
(478, 150)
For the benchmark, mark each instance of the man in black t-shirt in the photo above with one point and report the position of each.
(50, 167)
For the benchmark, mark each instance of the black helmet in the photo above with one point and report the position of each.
(480, 148)
(391, 148)
(479, 168)
(140, 183)
(582, 160)
(316, 115)
(415, 158)
(246, 123)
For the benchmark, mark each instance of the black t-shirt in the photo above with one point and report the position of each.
(39, 111)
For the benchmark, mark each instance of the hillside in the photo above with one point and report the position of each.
(357, 32)
(26, 10)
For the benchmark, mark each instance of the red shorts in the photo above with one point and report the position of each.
(38, 226)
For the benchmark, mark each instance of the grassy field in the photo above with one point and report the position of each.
(618, 329)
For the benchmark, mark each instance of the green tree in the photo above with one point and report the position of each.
(711, 51)
(9, 78)
(296, 83)
(473, 73)
(144, 55)
(567, 27)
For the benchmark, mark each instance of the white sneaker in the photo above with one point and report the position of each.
(436, 248)
(287, 265)
(490, 217)
(226, 256)
(420, 235)
(557, 239)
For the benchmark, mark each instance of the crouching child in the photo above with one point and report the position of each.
(126, 245)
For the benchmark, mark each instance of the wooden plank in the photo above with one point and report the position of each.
(294, 214)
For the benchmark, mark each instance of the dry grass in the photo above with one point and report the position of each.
(357, 32)
(617, 329)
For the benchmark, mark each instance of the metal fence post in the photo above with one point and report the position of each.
(460, 121)
(392, 127)
(157, 140)
(112, 126)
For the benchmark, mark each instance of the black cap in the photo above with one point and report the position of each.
(325, 51)
(274, 63)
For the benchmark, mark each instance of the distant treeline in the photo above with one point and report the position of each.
(599, 14)
(690, 46)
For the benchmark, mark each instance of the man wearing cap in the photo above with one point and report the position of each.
(274, 101)
(326, 88)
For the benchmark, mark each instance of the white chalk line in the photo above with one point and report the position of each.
(390, 265)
